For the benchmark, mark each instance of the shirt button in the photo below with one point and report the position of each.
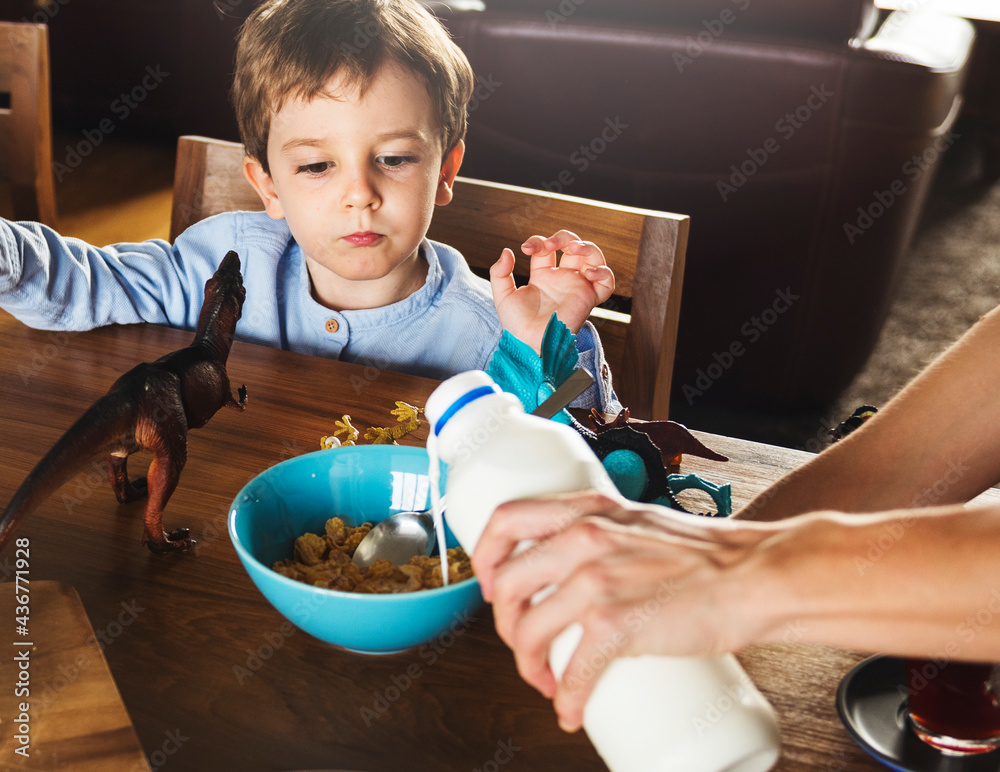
(604, 371)
(332, 325)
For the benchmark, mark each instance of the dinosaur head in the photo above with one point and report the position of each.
(223, 305)
(225, 288)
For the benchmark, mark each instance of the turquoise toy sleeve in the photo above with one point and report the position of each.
(517, 369)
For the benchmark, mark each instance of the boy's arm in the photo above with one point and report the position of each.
(49, 281)
(601, 395)
(570, 287)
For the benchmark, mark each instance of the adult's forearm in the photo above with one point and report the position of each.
(937, 442)
(918, 582)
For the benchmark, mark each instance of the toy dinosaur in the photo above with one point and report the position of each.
(151, 407)
(673, 439)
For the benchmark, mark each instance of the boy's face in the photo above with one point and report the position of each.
(357, 179)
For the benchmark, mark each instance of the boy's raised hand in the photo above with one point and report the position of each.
(570, 286)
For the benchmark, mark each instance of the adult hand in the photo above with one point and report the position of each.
(640, 579)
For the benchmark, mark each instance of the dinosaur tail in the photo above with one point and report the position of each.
(95, 433)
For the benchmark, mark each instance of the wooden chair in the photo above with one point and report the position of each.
(25, 123)
(645, 249)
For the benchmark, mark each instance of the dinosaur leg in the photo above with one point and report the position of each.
(164, 473)
(169, 457)
(125, 490)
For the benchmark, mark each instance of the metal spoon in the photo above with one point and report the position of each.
(401, 536)
(398, 538)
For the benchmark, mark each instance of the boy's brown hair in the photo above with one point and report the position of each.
(290, 49)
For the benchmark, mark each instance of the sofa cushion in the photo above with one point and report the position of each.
(817, 19)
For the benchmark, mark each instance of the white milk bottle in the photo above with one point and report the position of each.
(646, 713)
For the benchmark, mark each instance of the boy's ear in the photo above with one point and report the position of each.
(264, 185)
(449, 170)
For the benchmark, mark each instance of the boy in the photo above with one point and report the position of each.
(352, 113)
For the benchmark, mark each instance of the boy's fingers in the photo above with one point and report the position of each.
(560, 240)
(502, 277)
(534, 244)
(587, 250)
(602, 279)
(542, 261)
(576, 256)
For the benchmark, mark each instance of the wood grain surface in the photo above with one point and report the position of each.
(75, 716)
(215, 679)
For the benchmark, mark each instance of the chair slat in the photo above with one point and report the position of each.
(27, 131)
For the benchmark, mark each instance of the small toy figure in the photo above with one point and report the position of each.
(673, 439)
(408, 418)
(857, 418)
(151, 407)
(345, 427)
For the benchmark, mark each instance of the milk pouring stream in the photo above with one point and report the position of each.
(648, 713)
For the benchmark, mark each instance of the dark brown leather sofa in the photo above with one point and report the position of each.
(800, 137)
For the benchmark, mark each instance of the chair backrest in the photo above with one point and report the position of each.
(25, 122)
(644, 248)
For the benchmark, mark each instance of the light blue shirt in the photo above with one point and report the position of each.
(447, 326)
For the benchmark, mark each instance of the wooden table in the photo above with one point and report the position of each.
(214, 679)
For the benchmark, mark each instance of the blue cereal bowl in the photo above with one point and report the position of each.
(357, 483)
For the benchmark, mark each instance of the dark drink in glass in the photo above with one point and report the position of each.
(954, 706)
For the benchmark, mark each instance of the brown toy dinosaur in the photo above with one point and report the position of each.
(151, 407)
(673, 439)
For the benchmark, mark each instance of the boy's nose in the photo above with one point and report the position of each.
(360, 192)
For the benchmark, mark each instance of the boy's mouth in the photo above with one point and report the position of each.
(365, 239)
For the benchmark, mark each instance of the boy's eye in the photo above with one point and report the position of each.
(315, 168)
(395, 161)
